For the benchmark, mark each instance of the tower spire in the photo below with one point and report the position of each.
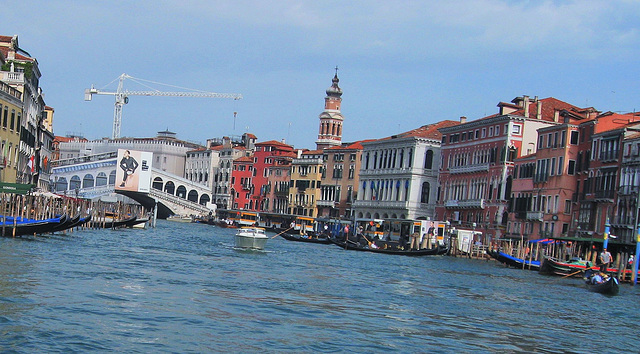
(330, 131)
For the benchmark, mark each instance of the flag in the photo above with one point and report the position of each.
(30, 163)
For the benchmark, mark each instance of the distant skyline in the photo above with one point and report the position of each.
(401, 64)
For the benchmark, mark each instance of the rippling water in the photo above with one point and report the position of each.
(184, 288)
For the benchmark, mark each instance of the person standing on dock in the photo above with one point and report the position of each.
(605, 259)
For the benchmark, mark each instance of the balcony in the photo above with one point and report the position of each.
(605, 195)
(611, 155)
(466, 203)
(628, 190)
(481, 167)
(327, 203)
(382, 204)
(535, 215)
(12, 77)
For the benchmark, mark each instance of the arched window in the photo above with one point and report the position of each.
(428, 160)
(74, 183)
(424, 195)
(61, 184)
(87, 181)
(112, 177)
(101, 179)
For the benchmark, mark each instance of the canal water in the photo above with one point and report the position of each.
(184, 288)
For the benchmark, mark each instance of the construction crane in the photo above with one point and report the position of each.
(122, 98)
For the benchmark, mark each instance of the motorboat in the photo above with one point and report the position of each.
(251, 237)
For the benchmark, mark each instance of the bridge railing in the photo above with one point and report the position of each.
(185, 203)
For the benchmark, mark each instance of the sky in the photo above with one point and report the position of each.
(401, 64)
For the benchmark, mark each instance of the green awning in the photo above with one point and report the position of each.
(15, 188)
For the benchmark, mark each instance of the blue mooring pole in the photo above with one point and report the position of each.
(634, 276)
(607, 228)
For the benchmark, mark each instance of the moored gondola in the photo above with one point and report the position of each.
(30, 227)
(513, 261)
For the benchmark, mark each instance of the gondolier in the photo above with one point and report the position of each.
(605, 260)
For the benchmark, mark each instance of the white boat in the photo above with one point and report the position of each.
(251, 237)
(179, 218)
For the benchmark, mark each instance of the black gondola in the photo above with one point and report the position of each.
(67, 224)
(309, 239)
(607, 284)
(513, 261)
(351, 245)
(30, 227)
(112, 224)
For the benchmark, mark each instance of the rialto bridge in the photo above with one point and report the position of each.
(94, 176)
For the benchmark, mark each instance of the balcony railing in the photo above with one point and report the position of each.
(465, 203)
(628, 190)
(611, 155)
(534, 215)
(13, 77)
(481, 167)
(605, 194)
(327, 203)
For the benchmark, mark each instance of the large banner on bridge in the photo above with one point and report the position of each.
(134, 171)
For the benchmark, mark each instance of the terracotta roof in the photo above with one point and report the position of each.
(243, 159)
(6, 39)
(313, 152)
(251, 136)
(274, 143)
(66, 139)
(351, 146)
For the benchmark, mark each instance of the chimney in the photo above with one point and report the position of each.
(525, 105)
(539, 113)
(463, 120)
(556, 116)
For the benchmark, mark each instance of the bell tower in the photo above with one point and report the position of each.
(330, 132)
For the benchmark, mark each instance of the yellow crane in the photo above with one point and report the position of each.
(122, 98)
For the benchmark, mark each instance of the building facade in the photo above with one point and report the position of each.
(305, 184)
(478, 160)
(399, 175)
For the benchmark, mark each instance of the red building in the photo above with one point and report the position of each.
(266, 155)
(241, 183)
(478, 160)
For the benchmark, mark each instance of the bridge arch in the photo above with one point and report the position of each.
(112, 177)
(204, 199)
(181, 192)
(157, 183)
(170, 188)
(193, 196)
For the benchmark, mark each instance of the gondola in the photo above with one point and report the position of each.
(67, 224)
(554, 266)
(112, 224)
(136, 221)
(29, 227)
(309, 239)
(513, 261)
(608, 286)
(350, 245)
